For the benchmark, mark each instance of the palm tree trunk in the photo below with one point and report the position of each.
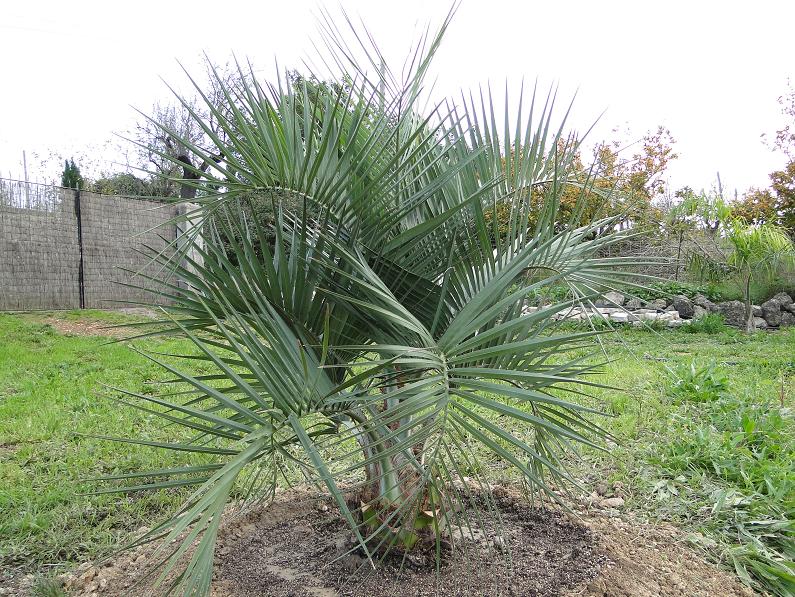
(749, 308)
(679, 254)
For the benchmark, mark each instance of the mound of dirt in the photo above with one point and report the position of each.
(538, 552)
(80, 327)
(299, 546)
(650, 561)
(86, 326)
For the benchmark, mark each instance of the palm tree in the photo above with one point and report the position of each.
(378, 329)
(754, 253)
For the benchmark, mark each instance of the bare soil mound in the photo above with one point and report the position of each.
(652, 560)
(545, 553)
(79, 327)
(299, 546)
(85, 326)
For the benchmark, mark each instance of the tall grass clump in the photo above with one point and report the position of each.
(710, 323)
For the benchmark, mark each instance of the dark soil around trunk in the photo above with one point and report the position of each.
(537, 552)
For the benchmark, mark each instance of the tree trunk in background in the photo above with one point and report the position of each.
(187, 191)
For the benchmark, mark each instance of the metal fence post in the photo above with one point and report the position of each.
(80, 277)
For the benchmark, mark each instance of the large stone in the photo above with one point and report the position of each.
(634, 304)
(787, 318)
(613, 502)
(733, 313)
(668, 316)
(568, 313)
(703, 302)
(619, 317)
(757, 310)
(684, 306)
(610, 299)
(790, 308)
(783, 299)
(760, 323)
(771, 311)
(699, 311)
(659, 304)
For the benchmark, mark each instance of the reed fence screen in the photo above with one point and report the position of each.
(67, 249)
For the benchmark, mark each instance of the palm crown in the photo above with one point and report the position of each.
(377, 328)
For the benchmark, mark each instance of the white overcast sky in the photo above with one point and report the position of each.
(709, 71)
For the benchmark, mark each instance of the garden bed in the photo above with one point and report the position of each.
(299, 546)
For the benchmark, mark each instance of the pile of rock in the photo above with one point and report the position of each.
(678, 310)
(775, 312)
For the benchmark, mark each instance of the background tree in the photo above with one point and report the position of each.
(747, 254)
(613, 184)
(71, 177)
(776, 204)
(784, 138)
(637, 180)
(124, 184)
(167, 142)
(705, 211)
(690, 218)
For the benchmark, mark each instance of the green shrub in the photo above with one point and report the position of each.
(655, 325)
(698, 384)
(547, 295)
(711, 323)
(46, 586)
(716, 291)
(760, 291)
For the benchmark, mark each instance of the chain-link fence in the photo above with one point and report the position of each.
(66, 249)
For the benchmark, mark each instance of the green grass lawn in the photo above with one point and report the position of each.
(711, 450)
(52, 390)
(705, 437)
